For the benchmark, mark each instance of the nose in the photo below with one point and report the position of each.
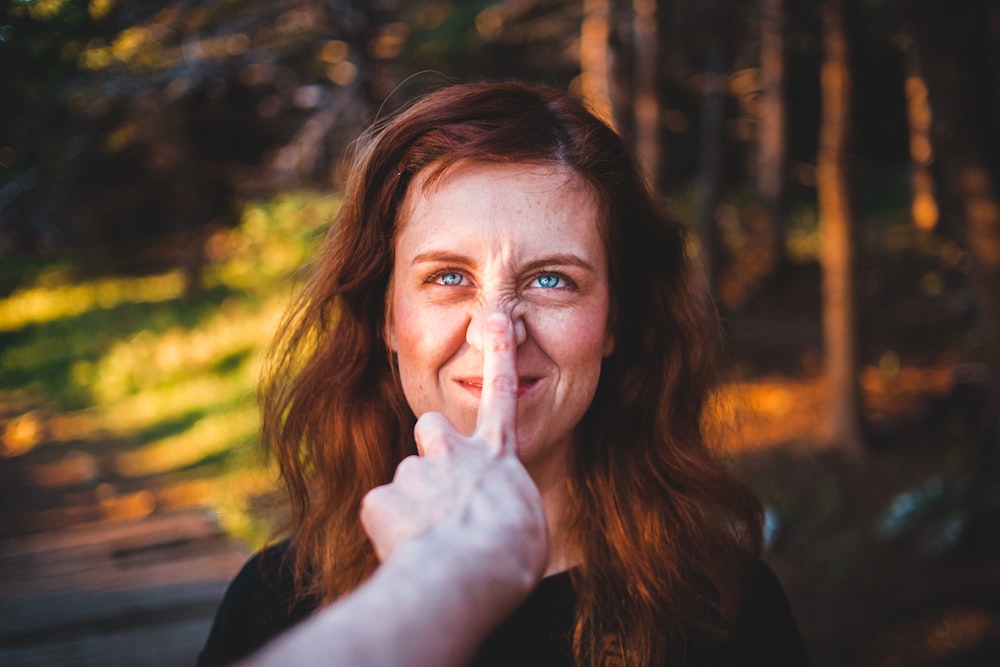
(474, 334)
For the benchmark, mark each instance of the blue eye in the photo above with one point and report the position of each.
(450, 278)
(548, 280)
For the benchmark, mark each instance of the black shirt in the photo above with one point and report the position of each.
(256, 609)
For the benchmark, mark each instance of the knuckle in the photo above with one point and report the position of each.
(407, 468)
(373, 505)
(494, 438)
(500, 342)
(504, 384)
(430, 425)
(434, 433)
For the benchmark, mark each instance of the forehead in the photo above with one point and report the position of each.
(487, 198)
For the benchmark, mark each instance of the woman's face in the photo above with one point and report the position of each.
(520, 239)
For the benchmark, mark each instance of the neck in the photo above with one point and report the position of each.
(551, 475)
(562, 555)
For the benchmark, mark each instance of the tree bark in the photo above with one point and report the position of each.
(923, 201)
(713, 116)
(843, 418)
(647, 105)
(956, 49)
(621, 53)
(771, 127)
(594, 61)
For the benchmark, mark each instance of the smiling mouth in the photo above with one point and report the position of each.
(523, 385)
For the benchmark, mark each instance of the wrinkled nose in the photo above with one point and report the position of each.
(477, 323)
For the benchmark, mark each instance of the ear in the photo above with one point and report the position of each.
(609, 343)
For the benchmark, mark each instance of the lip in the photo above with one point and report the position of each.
(474, 385)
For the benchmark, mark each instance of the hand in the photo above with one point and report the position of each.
(461, 534)
(470, 494)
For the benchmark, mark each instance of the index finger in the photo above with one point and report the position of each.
(496, 421)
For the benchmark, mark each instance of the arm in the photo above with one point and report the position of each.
(461, 534)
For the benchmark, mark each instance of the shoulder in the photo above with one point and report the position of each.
(767, 628)
(257, 606)
(765, 633)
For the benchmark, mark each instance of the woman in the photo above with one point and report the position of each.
(461, 536)
(513, 199)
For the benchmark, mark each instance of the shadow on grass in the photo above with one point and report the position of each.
(50, 357)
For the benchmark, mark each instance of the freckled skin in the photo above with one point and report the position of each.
(519, 239)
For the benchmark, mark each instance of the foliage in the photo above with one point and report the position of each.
(122, 122)
(170, 375)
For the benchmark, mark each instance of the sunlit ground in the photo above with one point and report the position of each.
(777, 410)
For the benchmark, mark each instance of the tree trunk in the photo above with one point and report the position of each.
(771, 132)
(713, 116)
(923, 202)
(647, 105)
(594, 61)
(956, 49)
(843, 419)
(621, 53)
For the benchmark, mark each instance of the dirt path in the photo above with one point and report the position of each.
(86, 581)
(95, 571)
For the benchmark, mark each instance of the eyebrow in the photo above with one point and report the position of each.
(441, 256)
(557, 259)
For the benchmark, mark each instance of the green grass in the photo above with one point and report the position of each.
(143, 362)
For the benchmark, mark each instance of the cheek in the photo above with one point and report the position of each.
(423, 340)
(577, 341)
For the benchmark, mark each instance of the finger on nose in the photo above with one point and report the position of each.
(475, 333)
(497, 418)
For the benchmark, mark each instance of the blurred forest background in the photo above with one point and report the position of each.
(167, 166)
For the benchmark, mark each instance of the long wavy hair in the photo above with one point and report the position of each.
(665, 532)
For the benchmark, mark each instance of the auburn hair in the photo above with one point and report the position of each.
(666, 533)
